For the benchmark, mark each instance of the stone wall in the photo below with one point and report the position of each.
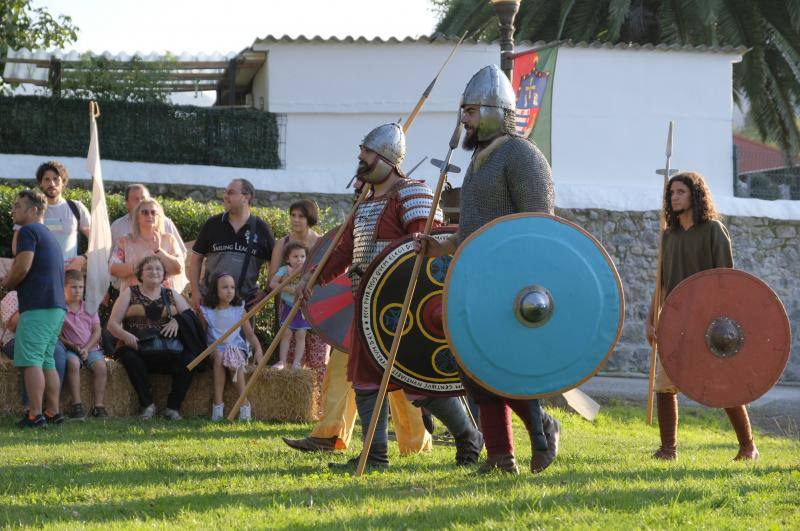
(767, 248)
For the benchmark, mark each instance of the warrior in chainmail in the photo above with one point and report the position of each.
(507, 174)
(397, 206)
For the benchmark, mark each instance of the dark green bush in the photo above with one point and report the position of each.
(143, 132)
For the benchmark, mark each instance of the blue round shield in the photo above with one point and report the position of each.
(533, 306)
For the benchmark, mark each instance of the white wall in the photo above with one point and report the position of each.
(610, 113)
(611, 110)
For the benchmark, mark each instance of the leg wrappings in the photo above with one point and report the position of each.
(667, 404)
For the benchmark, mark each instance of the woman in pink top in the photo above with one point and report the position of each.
(148, 239)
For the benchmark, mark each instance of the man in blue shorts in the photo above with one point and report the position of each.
(37, 274)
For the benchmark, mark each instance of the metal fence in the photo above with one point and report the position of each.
(780, 183)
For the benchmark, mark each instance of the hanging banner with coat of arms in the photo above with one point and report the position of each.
(534, 74)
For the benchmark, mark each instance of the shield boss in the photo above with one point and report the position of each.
(533, 306)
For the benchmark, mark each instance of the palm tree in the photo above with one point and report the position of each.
(768, 77)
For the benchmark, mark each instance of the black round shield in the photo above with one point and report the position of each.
(424, 363)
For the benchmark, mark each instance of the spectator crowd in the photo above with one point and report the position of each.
(49, 334)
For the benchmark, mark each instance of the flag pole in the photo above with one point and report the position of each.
(99, 249)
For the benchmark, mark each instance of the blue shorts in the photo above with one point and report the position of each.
(93, 357)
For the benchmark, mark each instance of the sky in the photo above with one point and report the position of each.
(207, 26)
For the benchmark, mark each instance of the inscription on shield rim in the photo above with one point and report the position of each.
(424, 362)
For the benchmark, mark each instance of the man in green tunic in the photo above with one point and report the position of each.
(695, 240)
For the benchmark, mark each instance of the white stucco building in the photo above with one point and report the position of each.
(611, 109)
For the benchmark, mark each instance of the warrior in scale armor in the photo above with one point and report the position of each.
(397, 206)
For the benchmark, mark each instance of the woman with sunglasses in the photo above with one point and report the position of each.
(148, 238)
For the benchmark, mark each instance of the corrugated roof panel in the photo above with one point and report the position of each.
(440, 38)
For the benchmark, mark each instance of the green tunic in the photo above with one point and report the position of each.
(686, 252)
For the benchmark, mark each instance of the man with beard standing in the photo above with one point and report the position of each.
(507, 175)
(64, 217)
(396, 207)
(695, 240)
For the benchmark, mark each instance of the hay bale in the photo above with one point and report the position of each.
(9, 388)
(279, 395)
(285, 395)
(121, 399)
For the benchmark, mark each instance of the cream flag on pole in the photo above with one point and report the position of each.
(97, 275)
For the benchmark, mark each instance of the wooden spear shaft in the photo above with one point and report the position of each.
(424, 98)
(254, 310)
(657, 295)
(311, 281)
(398, 333)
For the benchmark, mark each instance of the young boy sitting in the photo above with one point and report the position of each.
(81, 336)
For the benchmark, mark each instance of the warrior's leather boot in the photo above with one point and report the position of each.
(541, 459)
(501, 463)
(667, 404)
(378, 459)
(741, 425)
(451, 412)
(543, 430)
(312, 444)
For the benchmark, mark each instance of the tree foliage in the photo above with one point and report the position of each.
(24, 26)
(768, 75)
(133, 80)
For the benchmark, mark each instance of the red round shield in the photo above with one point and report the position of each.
(723, 337)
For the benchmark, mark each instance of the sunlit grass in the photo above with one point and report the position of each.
(194, 474)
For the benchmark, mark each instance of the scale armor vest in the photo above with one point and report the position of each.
(415, 199)
(509, 176)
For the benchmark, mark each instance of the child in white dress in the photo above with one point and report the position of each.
(222, 308)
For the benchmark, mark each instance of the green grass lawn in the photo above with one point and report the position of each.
(194, 474)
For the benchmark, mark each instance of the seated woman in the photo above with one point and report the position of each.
(139, 315)
(148, 238)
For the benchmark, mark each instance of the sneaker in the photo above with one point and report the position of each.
(245, 412)
(56, 418)
(38, 422)
(149, 412)
(99, 412)
(217, 412)
(171, 414)
(77, 412)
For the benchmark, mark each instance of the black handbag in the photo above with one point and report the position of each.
(156, 343)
